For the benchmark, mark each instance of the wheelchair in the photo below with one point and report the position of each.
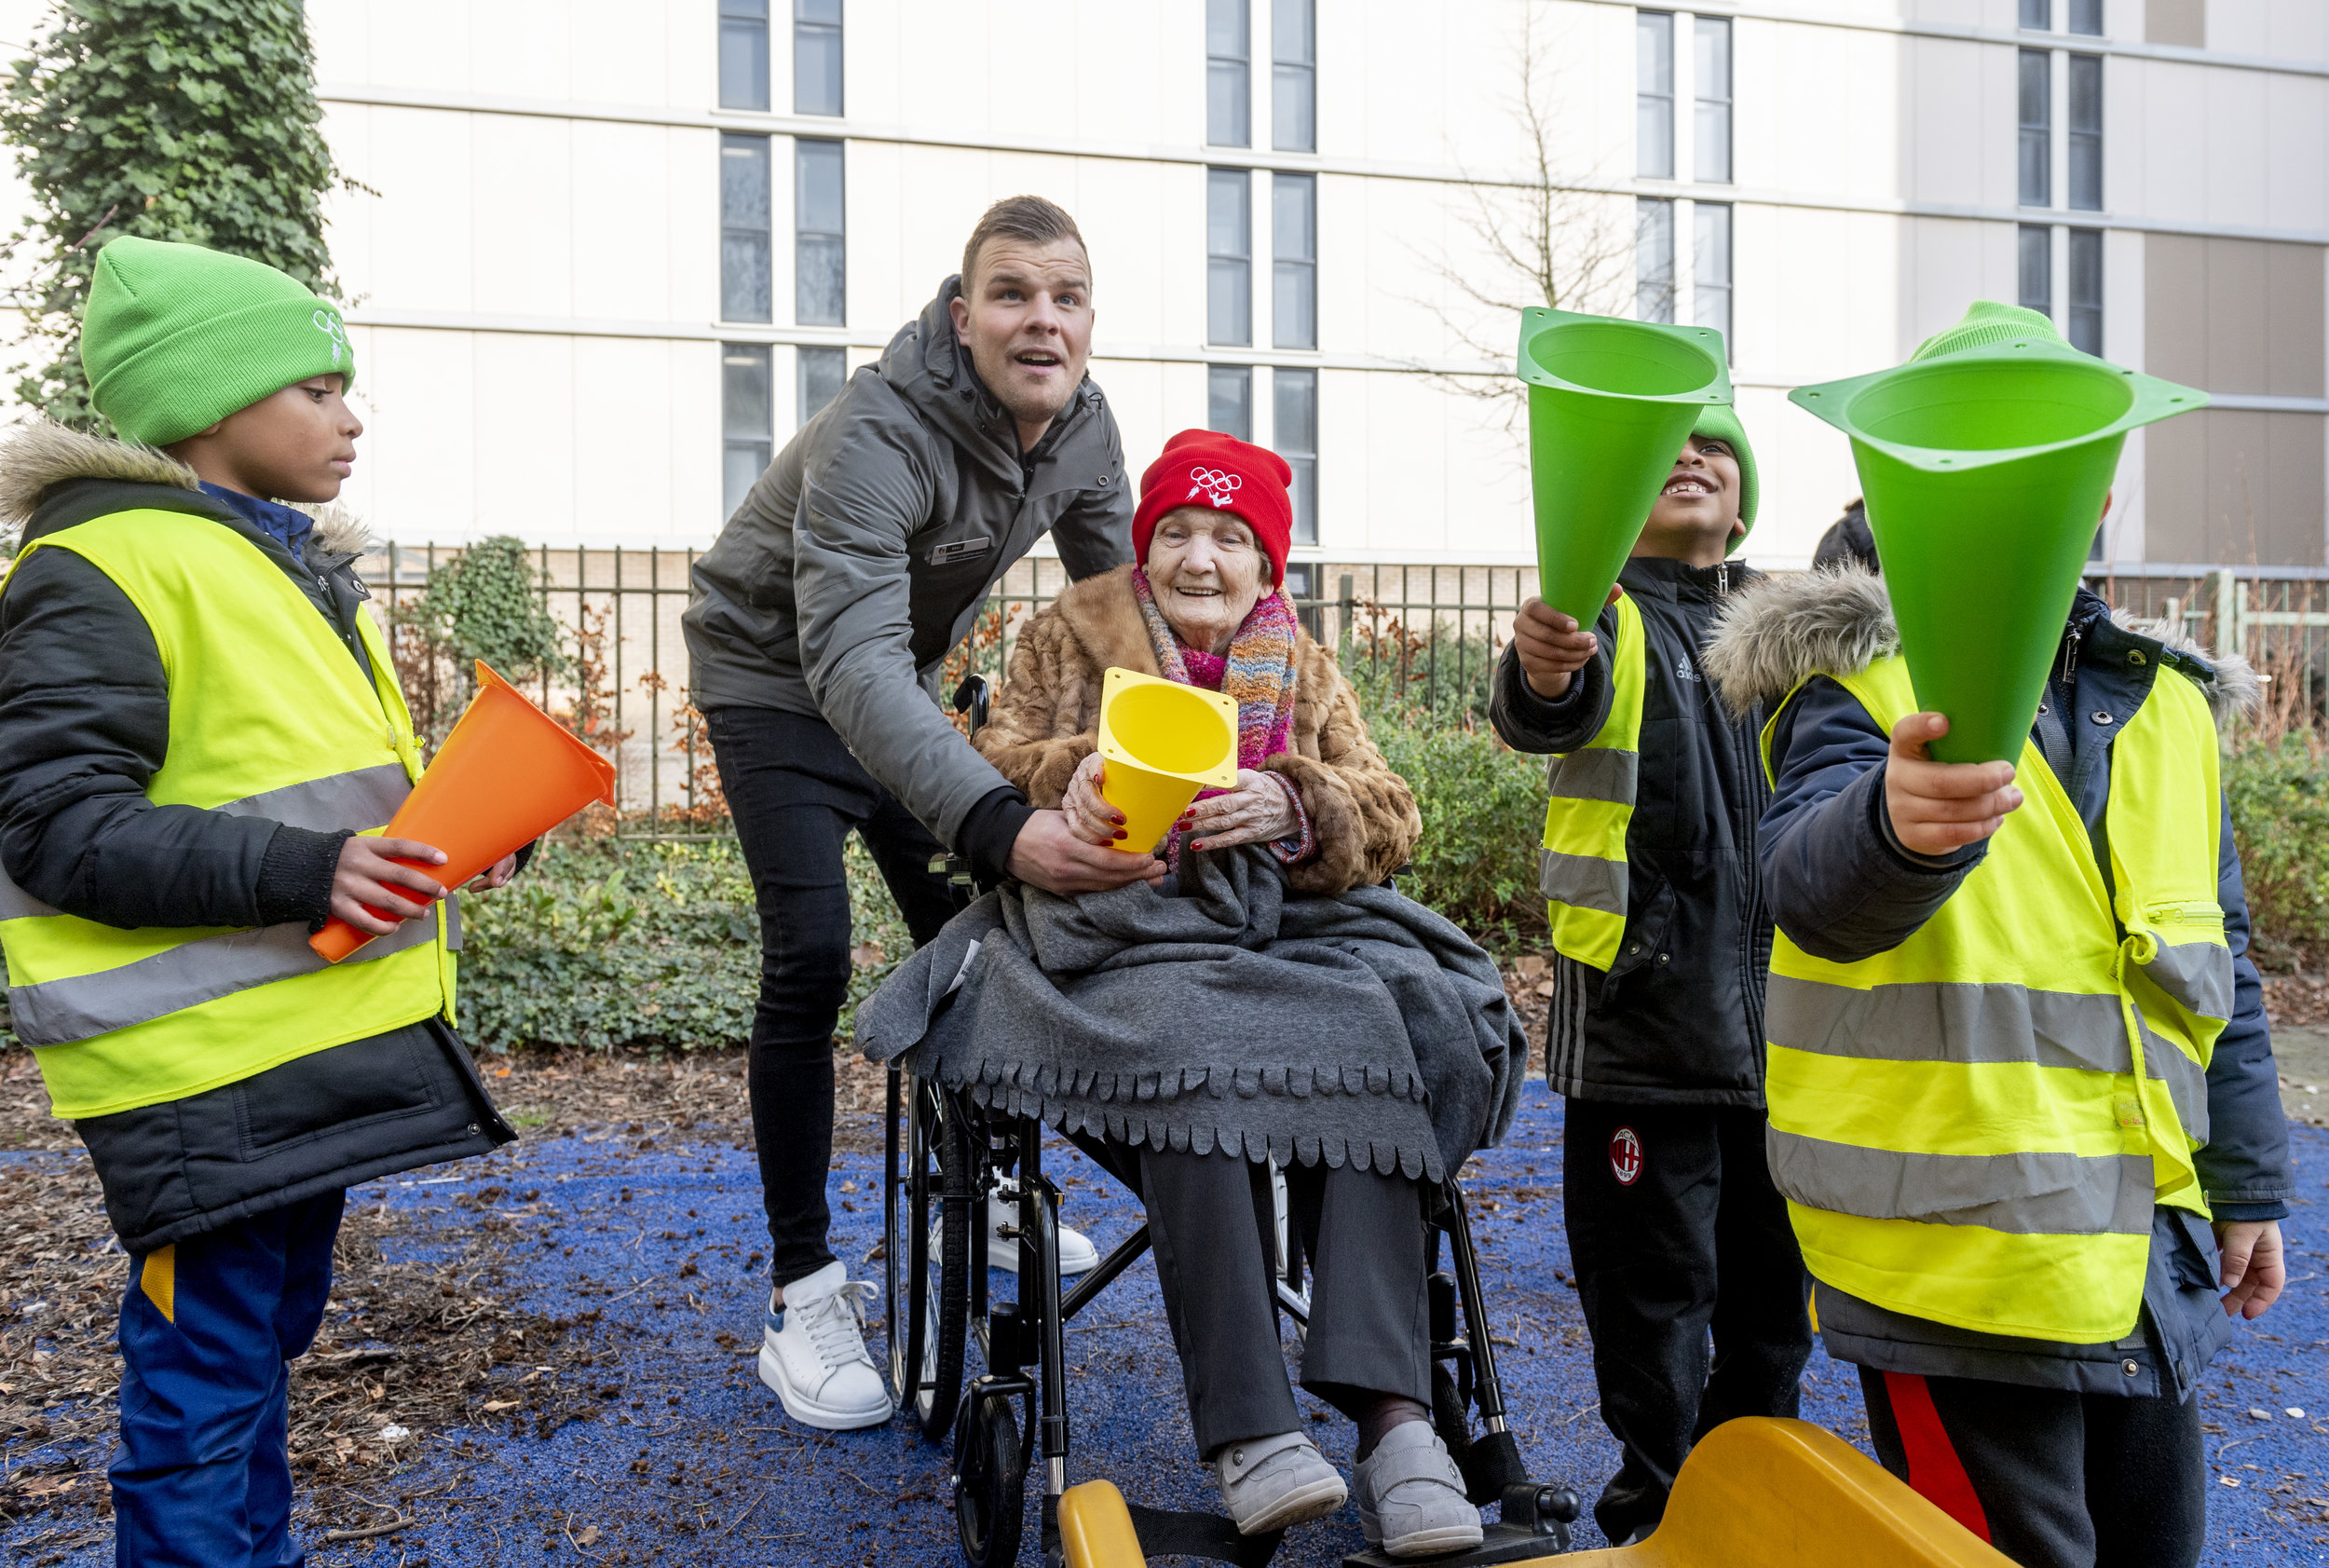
(946, 1158)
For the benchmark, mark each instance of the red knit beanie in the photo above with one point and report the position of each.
(1222, 473)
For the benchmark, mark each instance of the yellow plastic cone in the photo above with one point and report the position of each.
(1161, 741)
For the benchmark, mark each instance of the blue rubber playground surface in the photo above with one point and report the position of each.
(686, 1458)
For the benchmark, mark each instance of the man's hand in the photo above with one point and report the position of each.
(1552, 646)
(498, 875)
(1257, 812)
(1937, 807)
(1048, 854)
(2253, 1272)
(369, 880)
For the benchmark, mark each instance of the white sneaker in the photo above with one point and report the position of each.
(812, 1352)
(1411, 1495)
(1268, 1483)
(1077, 1255)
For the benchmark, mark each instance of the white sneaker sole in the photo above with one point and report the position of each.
(1003, 1252)
(1318, 1499)
(1432, 1543)
(808, 1412)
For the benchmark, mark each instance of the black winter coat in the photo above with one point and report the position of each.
(84, 726)
(1844, 889)
(1678, 1018)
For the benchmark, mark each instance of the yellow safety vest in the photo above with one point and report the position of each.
(1975, 1126)
(269, 718)
(1581, 870)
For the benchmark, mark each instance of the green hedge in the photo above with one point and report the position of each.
(2279, 797)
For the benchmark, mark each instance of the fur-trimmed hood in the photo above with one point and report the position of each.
(39, 454)
(1780, 631)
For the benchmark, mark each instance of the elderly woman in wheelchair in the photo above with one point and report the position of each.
(1269, 1003)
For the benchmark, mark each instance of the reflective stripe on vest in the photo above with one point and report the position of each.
(269, 717)
(1581, 870)
(1975, 1126)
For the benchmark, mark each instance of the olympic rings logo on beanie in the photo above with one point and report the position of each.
(1215, 486)
(1208, 468)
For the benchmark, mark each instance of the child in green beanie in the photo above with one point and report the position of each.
(1655, 1028)
(198, 721)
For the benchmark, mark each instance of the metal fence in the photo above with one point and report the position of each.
(1430, 633)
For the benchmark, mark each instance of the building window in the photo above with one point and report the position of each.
(747, 422)
(1712, 164)
(743, 54)
(1711, 266)
(2085, 132)
(821, 372)
(1653, 259)
(816, 57)
(820, 249)
(1294, 430)
(2086, 290)
(1229, 399)
(2085, 18)
(2038, 129)
(1294, 76)
(1294, 261)
(2037, 16)
(1654, 94)
(745, 292)
(1229, 256)
(1228, 72)
(2035, 254)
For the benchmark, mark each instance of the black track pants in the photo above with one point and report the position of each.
(1678, 1233)
(796, 792)
(2052, 1478)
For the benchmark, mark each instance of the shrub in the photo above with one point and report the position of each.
(2279, 792)
(604, 943)
(1484, 810)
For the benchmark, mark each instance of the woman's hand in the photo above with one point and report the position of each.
(1089, 816)
(1257, 812)
(369, 879)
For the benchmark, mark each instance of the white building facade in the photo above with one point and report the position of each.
(607, 256)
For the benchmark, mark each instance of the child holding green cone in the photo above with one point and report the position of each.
(198, 718)
(2023, 1106)
(1656, 1034)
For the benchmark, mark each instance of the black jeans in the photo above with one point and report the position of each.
(2052, 1478)
(1211, 1220)
(796, 792)
(1698, 1241)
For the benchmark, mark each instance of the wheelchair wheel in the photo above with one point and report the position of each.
(901, 1262)
(926, 1361)
(989, 1483)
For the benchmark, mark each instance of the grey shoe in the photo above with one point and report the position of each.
(1271, 1482)
(1411, 1495)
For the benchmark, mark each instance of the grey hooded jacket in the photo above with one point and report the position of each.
(1844, 889)
(866, 551)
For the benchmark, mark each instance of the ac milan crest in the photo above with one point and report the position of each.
(1625, 1156)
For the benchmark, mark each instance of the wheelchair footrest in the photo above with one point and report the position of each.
(1535, 1523)
(1168, 1534)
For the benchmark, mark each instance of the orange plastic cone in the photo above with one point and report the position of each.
(508, 774)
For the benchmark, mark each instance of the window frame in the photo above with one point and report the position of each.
(736, 234)
(1297, 71)
(758, 443)
(808, 244)
(1240, 379)
(2085, 20)
(1708, 110)
(1300, 456)
(1223, 266)
(1724, 215)
(2034, 263)
(743, 38)
(1229, 77)
(2083, 133)
(1293, 266)
(2035, 16)
(2084, 291)
(804, 30)
(1654, 218)
(2033, 94)
(1653, 47)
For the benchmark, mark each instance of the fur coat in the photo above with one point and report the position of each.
(1045, 721)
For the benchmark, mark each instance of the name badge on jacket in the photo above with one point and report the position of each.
(960, 550)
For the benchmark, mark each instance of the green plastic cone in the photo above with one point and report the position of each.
(1611, 403)
(1985, 473)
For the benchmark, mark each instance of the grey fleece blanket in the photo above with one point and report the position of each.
(1217, 1013)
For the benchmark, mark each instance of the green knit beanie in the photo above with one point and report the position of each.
(176, 337)
(1722, 422)
(1986, 321)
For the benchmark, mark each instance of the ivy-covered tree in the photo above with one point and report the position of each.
(189, 120)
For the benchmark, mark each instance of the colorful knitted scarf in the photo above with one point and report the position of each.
(1258, 672)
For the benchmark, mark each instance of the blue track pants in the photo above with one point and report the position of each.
(203, 1476)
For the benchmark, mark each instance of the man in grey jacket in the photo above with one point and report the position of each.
(817, 628)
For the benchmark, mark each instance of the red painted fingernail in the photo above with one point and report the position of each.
(1120, 833)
